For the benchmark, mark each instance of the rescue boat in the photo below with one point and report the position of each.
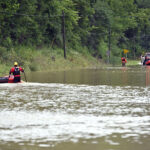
(147, 62)
(8, 79)
(147, 59)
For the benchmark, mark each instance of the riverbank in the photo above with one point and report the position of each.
(46, 59)
(133, 62)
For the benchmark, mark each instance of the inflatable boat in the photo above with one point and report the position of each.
(8, 79)
(147, 62)
(147, 59)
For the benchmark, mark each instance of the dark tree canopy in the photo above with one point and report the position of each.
(94, 24)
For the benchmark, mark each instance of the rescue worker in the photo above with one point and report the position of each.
(16, 72)
(124, 61)
(142, 59)
(145, 59)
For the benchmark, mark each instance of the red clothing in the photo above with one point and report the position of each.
(124, 60)
(16, 71)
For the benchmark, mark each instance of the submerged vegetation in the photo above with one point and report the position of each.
(34, 32)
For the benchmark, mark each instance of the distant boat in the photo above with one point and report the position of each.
(147, 59)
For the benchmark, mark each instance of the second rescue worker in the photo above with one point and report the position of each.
(124, 61)
(16, 72)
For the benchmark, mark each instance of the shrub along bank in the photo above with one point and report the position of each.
(45, 59)
(48, 59)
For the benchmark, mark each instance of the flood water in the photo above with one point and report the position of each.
(99, 109)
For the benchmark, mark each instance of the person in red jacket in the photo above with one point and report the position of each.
(124, 61)
(16, 72)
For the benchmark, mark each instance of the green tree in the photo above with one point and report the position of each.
(7, 9)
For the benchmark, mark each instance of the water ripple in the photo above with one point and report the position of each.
(69, 112)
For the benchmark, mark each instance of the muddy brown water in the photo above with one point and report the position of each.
(99, 109)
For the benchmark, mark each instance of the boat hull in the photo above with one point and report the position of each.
(147, 62)
(4, 79)
(8, 79)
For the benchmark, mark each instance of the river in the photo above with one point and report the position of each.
(99, 109)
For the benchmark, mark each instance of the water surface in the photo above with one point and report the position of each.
(107, 109)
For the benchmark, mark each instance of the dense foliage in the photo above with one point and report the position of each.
(98, 25)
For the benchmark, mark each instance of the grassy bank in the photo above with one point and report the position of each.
(45, 59)
(133, 62)
(48, 59)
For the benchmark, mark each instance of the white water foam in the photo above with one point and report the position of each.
(62, 112)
